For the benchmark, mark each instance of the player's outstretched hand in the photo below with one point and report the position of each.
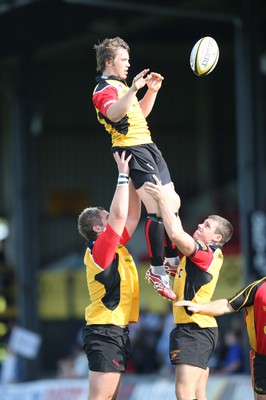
(122, 162)
(156, 190)
(140, 81)
(154, 81)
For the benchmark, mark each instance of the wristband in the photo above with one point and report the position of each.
(122, 179)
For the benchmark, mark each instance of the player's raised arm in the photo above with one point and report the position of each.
(120, 108)
(134, 209)
(119, 207)
(154, 83)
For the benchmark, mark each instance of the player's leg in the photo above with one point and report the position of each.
(173, 196)
(154, 234)
(201, 390)
(170, 250)
(258, 374)
(159, 243)
(142, 166)
(154, 229)
(107, 348)
(146, 161)
(190, 350)
(171, 260)
(104, 385)
(186, 381)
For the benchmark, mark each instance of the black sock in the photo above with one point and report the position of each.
(154, 233)
(170, 248)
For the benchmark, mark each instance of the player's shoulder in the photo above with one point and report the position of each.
(200, 245)
(108, 84)
(101, 84)
(207, 247)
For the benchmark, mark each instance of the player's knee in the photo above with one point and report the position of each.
(182, 394)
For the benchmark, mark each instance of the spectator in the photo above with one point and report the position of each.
(73, 366)
(231, 361)
(143, 353)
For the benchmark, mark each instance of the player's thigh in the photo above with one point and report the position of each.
(187, 379)
(103, 385)
(149, 202)
(173, 196)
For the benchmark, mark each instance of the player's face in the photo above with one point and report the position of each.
(104, 215)
(120, 64)
(206, 231)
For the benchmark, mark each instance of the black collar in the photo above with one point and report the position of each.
(113, 77)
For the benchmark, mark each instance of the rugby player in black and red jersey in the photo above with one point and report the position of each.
(112, 281)
(193, 340)
(252, 298)
(124, 118)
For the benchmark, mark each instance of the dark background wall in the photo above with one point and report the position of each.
(55, 157)
(193, 121)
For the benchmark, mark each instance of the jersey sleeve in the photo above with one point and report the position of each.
(125, 237)
(102, 99)
(244, 297)
(202, 256)
(104, 249)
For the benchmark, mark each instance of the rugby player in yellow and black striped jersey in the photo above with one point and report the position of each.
(193, 340)
(124, 118)
(252, 298)
(112, 281)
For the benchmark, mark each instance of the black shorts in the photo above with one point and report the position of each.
(147, 160)
(258, 372)
(190, 344)
(107, 347)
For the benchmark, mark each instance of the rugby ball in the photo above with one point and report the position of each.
(204, 56)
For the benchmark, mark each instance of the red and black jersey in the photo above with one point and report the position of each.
(195, 280)
(132, 129)
(253, 299)
(108, 240)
